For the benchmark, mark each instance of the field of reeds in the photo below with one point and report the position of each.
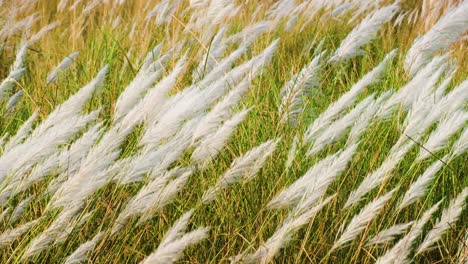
(228, 131)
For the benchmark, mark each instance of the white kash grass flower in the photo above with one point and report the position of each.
(193, 101)
(151, 57)
(41, 33)
(221, 111)
(448, 30)
(210, 146)
(159, 64)
(150, 105)
(222, 67)
(292, 153)
(63, 66)
(439, 138)
(21, 134)
(211, 57)
(153, 196)
(292, 21)
(20, 159)
(20, 56)
(298, 87)
(419, 187)
(80, 254)
(49, 235)
(251, 32)
(420, 120)
(362, 34)
(389, 234)
(7, 84)
(252, 67)
(281, 9)
(268, 250)
(14, 100)
(419, 88)
(360, 221)
(73, 106)
(342, 9)
(364, 6)
(400, 251)
(347, 99)
(449, 217)
(314, 183)
(150, 71)
(75, 223)
(176, 241)
(242, 168)
(375, 178)
(65, 162)
(92, 174)
(4, 214)
(133, 93)
(18, 212)
(154, 158)
(9, 236)
(367, 117)
(460, 146)
(338, 128)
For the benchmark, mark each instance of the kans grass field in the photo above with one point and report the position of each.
(225, 131)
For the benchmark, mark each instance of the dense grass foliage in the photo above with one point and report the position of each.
(214, 131)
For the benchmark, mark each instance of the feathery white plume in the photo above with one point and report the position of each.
(366, 118)
(375, 178)
(63, 66)
(14, 100)
(389, 234)
(338, 128)
(460, 146)
(22, 133)
(314, 183)
(400, 251)
(73, 106)
(211, 57)
(449, 217)
(362, 219)
(363, 33)
(80, 254)
(292, 153)
(347, 99)
(18, 212)
(298, 87)
(8, 236)
(250, 33)
(150, 71)
(64, 163)
(268, 250)
(153, 196)
(210, 146)
(49, 235)
(439, 138)
(41, 33)
(221, 111)
(244, 167)
(176, 241)
(419, 187)
(449, 29)
(20, 159)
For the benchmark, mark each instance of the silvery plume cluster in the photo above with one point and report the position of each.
(182, 128)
